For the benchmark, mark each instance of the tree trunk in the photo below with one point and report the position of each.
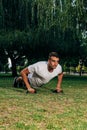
(80, 73)
(14, 71)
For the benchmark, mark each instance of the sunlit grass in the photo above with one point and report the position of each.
(44, 110)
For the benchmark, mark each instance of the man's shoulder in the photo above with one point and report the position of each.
(59, 66)
(37, 66)
(41, 62)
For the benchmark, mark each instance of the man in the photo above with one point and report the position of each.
(41, 73)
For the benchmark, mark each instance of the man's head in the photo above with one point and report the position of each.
(53, 60)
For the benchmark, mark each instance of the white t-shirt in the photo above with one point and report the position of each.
(40, 75)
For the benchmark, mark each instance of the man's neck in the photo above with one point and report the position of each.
(50, 69)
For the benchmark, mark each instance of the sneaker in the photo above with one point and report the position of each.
(15, 82)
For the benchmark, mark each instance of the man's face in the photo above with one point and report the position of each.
(53, 62)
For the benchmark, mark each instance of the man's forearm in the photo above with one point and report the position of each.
(60, 77)
(24, 74)
(25, 79)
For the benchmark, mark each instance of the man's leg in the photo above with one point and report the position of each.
(18, 82)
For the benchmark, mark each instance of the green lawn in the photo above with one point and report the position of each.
(44, 110)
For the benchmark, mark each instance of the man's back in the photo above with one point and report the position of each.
(40, 75)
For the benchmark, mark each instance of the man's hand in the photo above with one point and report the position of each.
(31, 90)
(59, 90)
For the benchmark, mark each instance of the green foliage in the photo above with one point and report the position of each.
(34, 28)
(84, 68)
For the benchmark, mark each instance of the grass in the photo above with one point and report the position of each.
(44, 110)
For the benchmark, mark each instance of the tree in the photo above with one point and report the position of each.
(43, 27)
(11, 43)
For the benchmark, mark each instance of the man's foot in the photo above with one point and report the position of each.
(15, 82)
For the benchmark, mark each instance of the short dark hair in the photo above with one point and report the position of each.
(55, 54)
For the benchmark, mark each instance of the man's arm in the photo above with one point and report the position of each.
(60, 77)
(24, 73)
